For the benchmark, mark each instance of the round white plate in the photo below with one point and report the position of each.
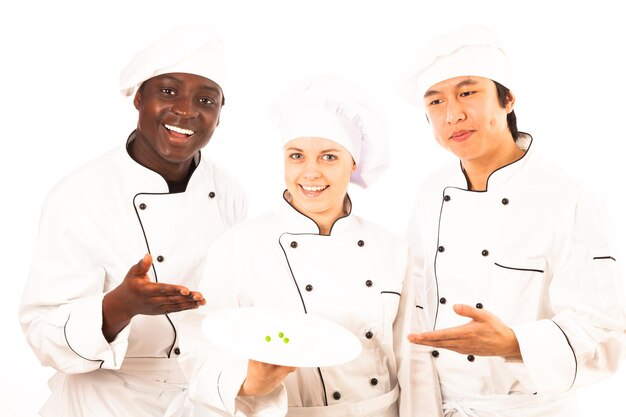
(281, 337)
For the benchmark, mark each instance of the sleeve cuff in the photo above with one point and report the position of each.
(83, 334)
(229, 383)
(270, 405)
(548, 364)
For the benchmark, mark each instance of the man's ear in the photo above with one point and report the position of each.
(137, 99)
(510, 102)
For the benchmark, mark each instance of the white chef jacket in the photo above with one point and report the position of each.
(95, 224)
(535, 250)
(358, 277)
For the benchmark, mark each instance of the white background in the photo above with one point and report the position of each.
(60, 108)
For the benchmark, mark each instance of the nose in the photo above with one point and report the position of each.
(454, 112)
(184, 107)
(311, 170)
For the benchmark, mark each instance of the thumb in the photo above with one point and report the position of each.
(469, 311)
(142, 267)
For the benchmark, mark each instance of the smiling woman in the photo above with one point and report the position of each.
(317, 256)
(317, 173)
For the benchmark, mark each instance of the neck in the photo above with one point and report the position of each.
(144, 154)
(478, 170)
(326, 219)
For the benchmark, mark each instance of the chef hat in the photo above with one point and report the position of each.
(469, 50)
(188, 49)
(330, 107)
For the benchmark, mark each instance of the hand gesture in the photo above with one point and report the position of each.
(263, 378)
(138, 295)
(484, 335)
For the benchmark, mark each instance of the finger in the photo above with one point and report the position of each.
(166, 290)
(174, 308)
(171, 300)
(451, 333)
(141, 268)
(464, 310)
(145, 264)
(196, 296)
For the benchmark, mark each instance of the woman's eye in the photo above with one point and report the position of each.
(328, 157)
(295, 155)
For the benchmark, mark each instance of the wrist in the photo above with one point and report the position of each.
(115, 315)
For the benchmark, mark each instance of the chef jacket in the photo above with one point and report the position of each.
(534, 249)
(95, 224)
(358, 277)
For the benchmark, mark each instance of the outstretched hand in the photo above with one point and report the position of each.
(138, 295)
(263, 378)
(484, 335)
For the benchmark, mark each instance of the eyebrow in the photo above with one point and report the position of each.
(322, 151)
(461, 84)
(178, 80)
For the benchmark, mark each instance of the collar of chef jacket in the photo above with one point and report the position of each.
(150, 181)
(296, 222)
(502, 175)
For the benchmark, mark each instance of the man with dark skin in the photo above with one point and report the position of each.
(89, 310)
(187, 103)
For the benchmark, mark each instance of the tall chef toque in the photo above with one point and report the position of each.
(469, 50)
(330, 107)
(188, 49)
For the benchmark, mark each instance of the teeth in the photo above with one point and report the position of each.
(179, 130)
(314, 188)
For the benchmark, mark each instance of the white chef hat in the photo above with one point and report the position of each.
(188, 49)
(331, 107)
(469, 50)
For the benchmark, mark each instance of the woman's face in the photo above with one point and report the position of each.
(317, 174)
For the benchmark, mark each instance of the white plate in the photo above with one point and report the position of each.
(281, 337)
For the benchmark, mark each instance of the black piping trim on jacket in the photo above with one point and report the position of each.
(70, 346)
(604, 257)
(418, 306)
(573, 354)
(292, 275)
(219, 376)
(519, 269)
(391, 292)
(502, 167)
(435, 260)
(319, 371)
(156, 278)
(319, 232)
(441, 212)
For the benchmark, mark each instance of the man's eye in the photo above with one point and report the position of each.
(435, 102)
(168, 91)
(206, 100)
(467, 93)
